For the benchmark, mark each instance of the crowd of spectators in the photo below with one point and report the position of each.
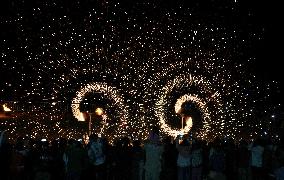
(167, 158)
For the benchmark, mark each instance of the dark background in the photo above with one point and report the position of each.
(269, 64)
(257, 13)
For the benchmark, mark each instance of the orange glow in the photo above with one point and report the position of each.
(99, 111)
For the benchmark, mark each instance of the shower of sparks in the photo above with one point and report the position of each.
(143, 60)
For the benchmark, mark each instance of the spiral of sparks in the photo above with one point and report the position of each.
(148, 60)
(109, 92)
(197, 99)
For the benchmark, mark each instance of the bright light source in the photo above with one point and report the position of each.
(6, 108)
(99, 111)
(188, 121)
(81, 117)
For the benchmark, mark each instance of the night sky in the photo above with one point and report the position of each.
(268, 64)
(142, 62)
